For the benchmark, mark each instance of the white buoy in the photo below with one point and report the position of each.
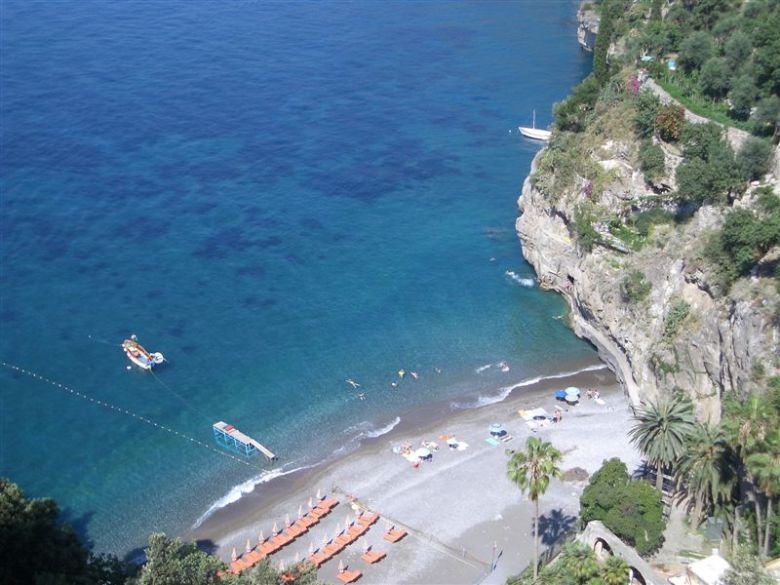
(129, 368)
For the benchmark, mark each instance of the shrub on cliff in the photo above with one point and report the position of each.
(754, 158)
(651, 161)
(669, 122)
(646, 109)
(573, 113)
(635, 287)
(630, 509)
(586, 234)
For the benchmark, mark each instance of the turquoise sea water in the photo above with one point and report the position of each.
(277, 196)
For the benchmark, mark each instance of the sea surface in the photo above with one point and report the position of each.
(279, 196)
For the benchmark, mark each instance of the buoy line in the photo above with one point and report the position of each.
(68, 390)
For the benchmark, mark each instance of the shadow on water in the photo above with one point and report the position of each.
(79, 523)
(137, 556)
(555, 525)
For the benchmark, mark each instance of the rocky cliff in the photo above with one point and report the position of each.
(719, 343)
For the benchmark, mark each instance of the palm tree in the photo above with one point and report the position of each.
(764, 466)
(615, 571)
(747, 423)
(707, 469)
(661, 431)
(531, 470)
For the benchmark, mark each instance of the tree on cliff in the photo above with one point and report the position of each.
(603, 40)
(661, 432)
(36, 548)
(531, 470)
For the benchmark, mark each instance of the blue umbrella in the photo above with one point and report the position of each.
(497, 429)
(560, 395)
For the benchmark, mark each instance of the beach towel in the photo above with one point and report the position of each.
(599, 401)
(492, 441)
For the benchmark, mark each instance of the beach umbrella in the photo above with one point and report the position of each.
(275, 529)
(497, 430)
(572, 390)
(233, 555)
(281, 566)
(300, 511)
(297, 557)
(287, 520)
(560, 394)
(248, 545)
(311, 503)
(365, 546)
(347, 523)
(311, 548)
(572, 398)
(341, 565)
(261, 537)
(319, 494)
(325, 539)
(423, 453)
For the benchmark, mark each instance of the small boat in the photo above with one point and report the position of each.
(139, 356)
(534, 132)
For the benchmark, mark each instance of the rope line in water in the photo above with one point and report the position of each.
(181, 398)
(103, 403)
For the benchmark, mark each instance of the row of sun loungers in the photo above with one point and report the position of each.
(347, 537)
(282, 539)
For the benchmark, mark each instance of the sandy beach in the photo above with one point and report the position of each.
(461, 512)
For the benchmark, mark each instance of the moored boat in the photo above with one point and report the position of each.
(139, 355)
(534, 132)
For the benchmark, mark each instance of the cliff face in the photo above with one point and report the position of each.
(723, 342)
(587, 27)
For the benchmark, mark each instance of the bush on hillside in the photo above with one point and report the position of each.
(630, 509)
(586, 234)
(635, 287)
(651, 161)
(715, 78)
(646, 109)
(695, 50)
(754, 158)
(573, 113)
(669, 122)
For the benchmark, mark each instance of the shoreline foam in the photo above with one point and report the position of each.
(366, 430)
(460, 501)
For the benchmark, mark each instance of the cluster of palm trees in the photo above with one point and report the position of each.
(717, 468)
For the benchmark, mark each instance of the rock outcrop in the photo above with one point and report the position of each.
(685, 334)
(587, 26)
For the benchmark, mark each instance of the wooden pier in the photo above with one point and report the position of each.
(229, 436)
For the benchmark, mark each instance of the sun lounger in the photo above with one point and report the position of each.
(269, 547)
(320, 558)
(328, 503)
(333, 549)
(373, 556)
(253, 557)
(506, 438)
(308, 521)
(319, 512)
(349, 576)
(295, 531)
(368, 519)
(394, 535)
(344, 539)
(357, 530)
(282, 539)
(301, 525)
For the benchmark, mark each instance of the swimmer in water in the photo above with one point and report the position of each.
(352, 383)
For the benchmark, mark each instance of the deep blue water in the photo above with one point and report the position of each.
(278, 196)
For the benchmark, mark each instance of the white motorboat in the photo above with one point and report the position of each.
(139, 356)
